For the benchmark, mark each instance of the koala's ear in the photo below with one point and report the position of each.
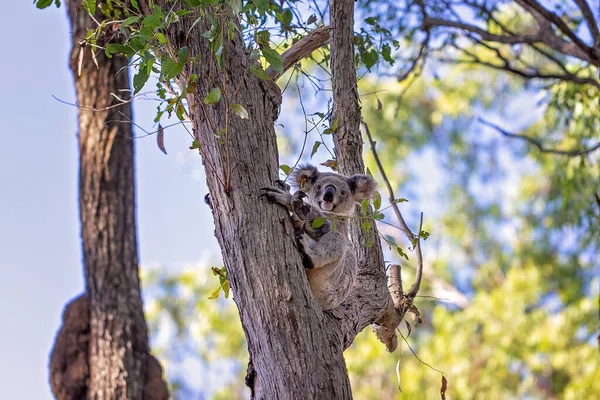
(305, 176)
(363, 186)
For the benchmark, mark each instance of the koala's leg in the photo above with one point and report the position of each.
(329, 249)
(306, 260)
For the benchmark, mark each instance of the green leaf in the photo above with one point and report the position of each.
(258, 71)
(331, 129)
(210, 2)
(215, 294)
(273, 58)
(113, 48)
(377, 200)
(286, 169)
(213, 97)
(285, 18)
(129, 21)
(333, 227)
(236, 6)
(140, 79)
(89, 6)
(152, 21)
(195, 144)
(366, 225)
(317, 223)
(240, 111)
(364, 207)
(182, 54)
(400, 200)
(386, 52)
(41, 4)
(401, 252)
(424, 235)
(370, 58)
(262, 38)
(170, 69)
(161, 38)
(135, 5)
(315, 148)
(262, 6)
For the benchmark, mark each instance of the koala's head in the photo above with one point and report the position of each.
(333, 192)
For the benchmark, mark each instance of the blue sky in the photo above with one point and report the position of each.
(40, 255)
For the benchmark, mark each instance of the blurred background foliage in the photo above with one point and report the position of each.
(509, 297)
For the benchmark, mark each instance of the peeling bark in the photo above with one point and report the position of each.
(101, 351)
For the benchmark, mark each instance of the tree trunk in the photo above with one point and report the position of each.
(109, 356)
(293, 353)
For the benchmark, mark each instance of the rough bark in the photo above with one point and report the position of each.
(101, 351)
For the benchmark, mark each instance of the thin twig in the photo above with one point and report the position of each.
(414, 289)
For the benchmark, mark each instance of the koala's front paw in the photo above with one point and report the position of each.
(277, 195)
(299, 207)
(302, 245)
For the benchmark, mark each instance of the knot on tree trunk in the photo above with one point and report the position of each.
(69, 365)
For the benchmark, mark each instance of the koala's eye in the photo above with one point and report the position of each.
(318, 187)
(343, 192)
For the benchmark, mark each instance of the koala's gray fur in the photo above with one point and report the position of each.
(326, 250)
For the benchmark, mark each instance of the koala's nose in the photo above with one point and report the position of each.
(329, 193)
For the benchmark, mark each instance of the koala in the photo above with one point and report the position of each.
(326, 250)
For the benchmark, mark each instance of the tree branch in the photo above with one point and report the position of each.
(539, 145)
(547, 17)
(485, 35)
(546, 34)
(301, 49)
(590, 20)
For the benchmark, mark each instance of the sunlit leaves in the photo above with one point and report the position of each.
(223, 283)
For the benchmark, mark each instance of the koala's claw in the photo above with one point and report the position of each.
(282, 185)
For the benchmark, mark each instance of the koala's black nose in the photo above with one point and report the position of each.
(329, 193)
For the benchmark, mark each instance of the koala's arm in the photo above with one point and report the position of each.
(328, 249)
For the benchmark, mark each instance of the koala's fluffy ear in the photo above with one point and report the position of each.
(363, 187)
(305, 176)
